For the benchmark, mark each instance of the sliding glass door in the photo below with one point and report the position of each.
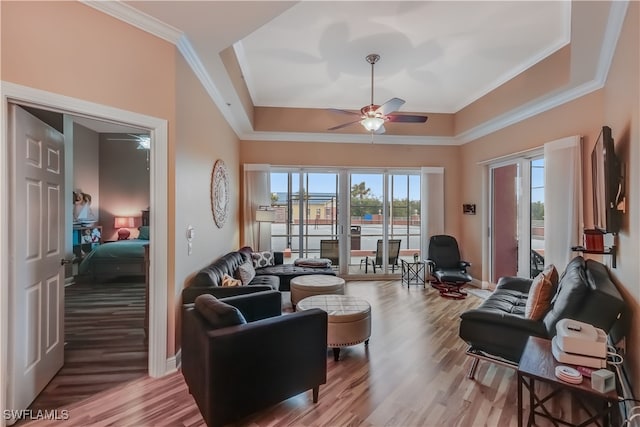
(306, 205)
(517, 218)
(357, 219)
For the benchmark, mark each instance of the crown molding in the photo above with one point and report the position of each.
(363, 138)
(610, 40)
(241, 125)
(138, 19)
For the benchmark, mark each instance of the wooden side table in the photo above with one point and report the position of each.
(538, 364)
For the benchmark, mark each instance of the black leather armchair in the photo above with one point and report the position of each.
(234, 371)
(444, 261)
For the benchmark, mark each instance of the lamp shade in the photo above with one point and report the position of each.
(265, 215)
(372, 124)
(124, 222)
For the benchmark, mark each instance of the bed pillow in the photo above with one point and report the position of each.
(245, 272)
(262, 259)
(218, 313)
(144, 232)
(228, 281)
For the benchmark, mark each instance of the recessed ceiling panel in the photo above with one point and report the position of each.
(439, 56)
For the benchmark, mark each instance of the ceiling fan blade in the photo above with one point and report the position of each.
(407, 119)
(344, 125)
(337, 110)
(390, 106)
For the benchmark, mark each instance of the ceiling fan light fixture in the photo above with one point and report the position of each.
(144, 143)
(372, 124)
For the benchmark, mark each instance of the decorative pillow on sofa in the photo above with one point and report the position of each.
(551, 274)
(228, 281)
(245, 272)
(539, 299)
(218, 313)
(262, 259)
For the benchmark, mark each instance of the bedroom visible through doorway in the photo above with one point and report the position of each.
(106, 302)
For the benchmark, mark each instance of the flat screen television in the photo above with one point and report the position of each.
(606, 183)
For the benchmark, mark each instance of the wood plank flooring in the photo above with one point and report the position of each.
(104, 342)
(413, 373)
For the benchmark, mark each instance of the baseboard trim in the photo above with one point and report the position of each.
(173, 362)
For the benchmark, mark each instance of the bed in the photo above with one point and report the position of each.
(115, 259)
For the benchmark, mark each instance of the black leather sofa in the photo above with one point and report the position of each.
(499, 329)
(273, 277)
(233, 371)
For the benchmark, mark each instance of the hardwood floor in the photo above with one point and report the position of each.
(104, 342)
(413, 373)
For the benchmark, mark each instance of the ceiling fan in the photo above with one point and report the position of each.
(144, 140)
(372, 117)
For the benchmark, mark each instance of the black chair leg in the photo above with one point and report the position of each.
(316, 391)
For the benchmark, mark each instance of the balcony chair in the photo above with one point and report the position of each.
(329, 250)
(537, 263)
(448, 271)
(394, 253)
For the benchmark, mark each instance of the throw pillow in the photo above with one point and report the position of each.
(246, 272)
(539, 299)
(218, 313)
(144, 232)
(551, 274)
(262, 259)
(228, 281)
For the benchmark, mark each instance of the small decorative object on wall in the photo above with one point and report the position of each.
(220, 193)
(469, 209)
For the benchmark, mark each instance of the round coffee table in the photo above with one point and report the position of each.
(314, 284)
(349, 319)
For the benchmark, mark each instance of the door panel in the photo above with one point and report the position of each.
(504, 225)
(36, 336)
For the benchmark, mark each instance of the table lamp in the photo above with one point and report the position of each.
(122, 224)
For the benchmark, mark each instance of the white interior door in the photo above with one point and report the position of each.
(36, 289)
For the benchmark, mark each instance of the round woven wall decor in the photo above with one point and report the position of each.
(220, 193)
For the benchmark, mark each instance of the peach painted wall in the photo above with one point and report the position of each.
(202, 137)
(80, 52)
(124, 184)
(622, 114)
(616, 105)
(86, 165)
(580, 117)
(366, 155)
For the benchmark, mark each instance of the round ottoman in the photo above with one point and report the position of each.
(349, 319)
(314, 284)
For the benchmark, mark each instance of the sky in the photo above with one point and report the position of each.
(326, 183)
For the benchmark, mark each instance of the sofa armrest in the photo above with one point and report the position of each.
(520, 284)
(505, 320)
(190, 294)
(257, 305)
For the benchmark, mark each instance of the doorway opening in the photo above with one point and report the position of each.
(158, 362)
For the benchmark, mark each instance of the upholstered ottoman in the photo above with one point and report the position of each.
(349, 319)
(315, 284)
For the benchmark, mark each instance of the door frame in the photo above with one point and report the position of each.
(159, 363)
